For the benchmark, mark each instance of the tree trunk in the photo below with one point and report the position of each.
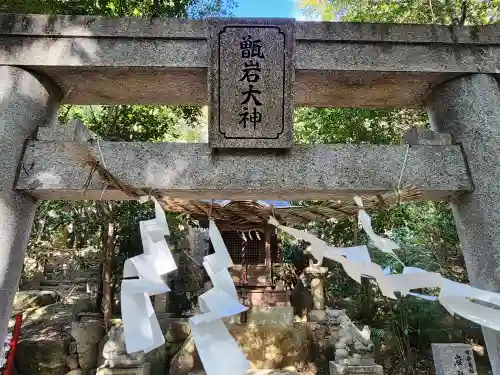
(107, 274)
(98, 298)
(107, 262)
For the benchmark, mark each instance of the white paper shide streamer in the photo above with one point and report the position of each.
(141, 327)
(457, 298)
(218, 350)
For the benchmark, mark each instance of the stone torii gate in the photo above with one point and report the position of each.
(451, 71)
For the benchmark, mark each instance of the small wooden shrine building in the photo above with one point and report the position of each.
(254, 245)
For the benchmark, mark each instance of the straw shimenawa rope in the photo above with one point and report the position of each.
(247, 215)
(251, 215)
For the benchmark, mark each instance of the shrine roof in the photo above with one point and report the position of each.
(246, 215)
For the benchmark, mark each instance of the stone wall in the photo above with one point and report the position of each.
(58, 334)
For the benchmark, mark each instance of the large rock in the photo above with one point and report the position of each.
(319, 346)
(75, 372)
(26, 299)
(266, 347)
(270, 347)
(176, 332)
(172, 349)
(306, 347)
(158, 358)
(186, 360)
(43, 353)
(87, 334)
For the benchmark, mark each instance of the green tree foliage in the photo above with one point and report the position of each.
(345, 125)
(445, 12)
(131, 8)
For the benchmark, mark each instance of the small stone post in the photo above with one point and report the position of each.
(316, 275)
(469, 109)
(25, 103)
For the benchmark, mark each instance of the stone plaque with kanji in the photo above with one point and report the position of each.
(453, 359)
(250, 83)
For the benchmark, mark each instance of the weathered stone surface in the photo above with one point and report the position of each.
(161, 27)
(54, 316)
(44, 354)
(158, 360)
(123, 61)
(269, 316)
(177, 330)
(72, 361)
(336, 369)
(306, 347)
(143, 370)
(87, 334)
(198, 242)
(74, 130)
(25, 104)
(354, 347)
(451, 359)
(265, 316)
(318, 293)
(469, 109)
(251, 76)
(172, 349)
(75, 372)
(191, 171)
(115, 353)
(318, 346)
(318, 316)
(268, 347)
(418, 136)
(186, 360)
(82, 306)
(25, 299)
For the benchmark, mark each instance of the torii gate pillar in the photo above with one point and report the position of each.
(469, 109)
(25, 104)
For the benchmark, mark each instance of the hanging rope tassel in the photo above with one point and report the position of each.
(244, 280)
